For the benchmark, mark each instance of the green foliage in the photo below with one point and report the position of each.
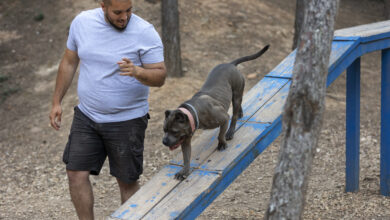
(39, 17)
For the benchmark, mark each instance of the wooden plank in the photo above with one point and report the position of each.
(149, 195)
(206, 144)
(202, 199)
(163, 197)
(350, 56)
(340, 49)
(371, 46)
(260, 94)
(352, 127)
(285, 68)
(273, 108)
(385, 125)
(366, 31)
(202, 147)
(219, 160)
(186, 193)
(249, 131)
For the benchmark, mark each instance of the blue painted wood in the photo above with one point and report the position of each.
(218, 161)
(285, 68)
(355, 52)
(353, 127)
(186, 195)
(258, 95)
(342, 66)
(271, 109)
(348, 38)
(149, 195)
(369, 47)
(258, 98)
(259, 127)
(367, 32)
(340, 50)
(385, 125)
(232, 172)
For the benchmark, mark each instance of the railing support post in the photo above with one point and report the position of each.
(385, 124)
(352, 127)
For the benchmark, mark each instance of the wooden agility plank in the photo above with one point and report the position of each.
(205, 145)
(248, 132)
(149, 195)
(192, 188)
(163, 197)
(198, 185)
(340, 49)
(368, 32)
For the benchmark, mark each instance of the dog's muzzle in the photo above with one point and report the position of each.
(173, 147)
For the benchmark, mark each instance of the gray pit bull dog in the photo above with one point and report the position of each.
(208, 109)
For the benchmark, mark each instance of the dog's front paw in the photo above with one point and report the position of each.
(222, 146)
(182, 174)
(229, 135)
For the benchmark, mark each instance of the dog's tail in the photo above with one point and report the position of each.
(250, 57)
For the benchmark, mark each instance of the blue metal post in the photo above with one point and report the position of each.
(353, 127)
(385, 124)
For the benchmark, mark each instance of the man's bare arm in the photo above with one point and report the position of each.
(66, 71)
(149, 75)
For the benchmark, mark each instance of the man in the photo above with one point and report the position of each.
(120, 56)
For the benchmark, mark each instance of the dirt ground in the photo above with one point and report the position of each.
(33, 183)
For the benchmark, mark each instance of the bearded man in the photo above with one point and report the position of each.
(120, 56)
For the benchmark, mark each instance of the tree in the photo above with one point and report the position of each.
(387, 9)
(299, 18)
(303, 111)
(171, 37)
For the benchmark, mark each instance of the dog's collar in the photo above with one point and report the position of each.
(189, 115)
(194, 121)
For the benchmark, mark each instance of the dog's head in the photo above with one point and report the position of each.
(177, 128)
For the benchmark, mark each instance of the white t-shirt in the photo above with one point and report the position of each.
(105, 95)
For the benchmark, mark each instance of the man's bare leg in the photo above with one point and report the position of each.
(127, 189)
(81, 193)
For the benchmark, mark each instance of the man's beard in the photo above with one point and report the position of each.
(116, 27)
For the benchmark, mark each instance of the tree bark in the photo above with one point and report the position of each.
(152, 1)
(387, 9)
(171, 37)
(299, 18)
(303, 111)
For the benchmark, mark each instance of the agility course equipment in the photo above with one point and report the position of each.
(164, 197)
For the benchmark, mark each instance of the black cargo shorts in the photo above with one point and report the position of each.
(90, 143)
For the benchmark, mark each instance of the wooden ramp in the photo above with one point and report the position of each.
(163, 197)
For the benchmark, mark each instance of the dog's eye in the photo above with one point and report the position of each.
(175, 133)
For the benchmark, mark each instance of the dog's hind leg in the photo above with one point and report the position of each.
(237, 112)
(222, 130)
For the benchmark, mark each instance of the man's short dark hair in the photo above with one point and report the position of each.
(106, 2)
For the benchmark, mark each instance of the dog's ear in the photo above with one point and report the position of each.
(167, 113)
(180, 117)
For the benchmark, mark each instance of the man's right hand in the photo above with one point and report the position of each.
(55, 116)
(65, 74)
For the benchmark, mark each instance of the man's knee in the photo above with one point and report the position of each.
(77, 177)
(132, 186)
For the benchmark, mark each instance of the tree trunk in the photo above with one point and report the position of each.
(303, 111)
(387, 9)
(171, 37)
(299, 18)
